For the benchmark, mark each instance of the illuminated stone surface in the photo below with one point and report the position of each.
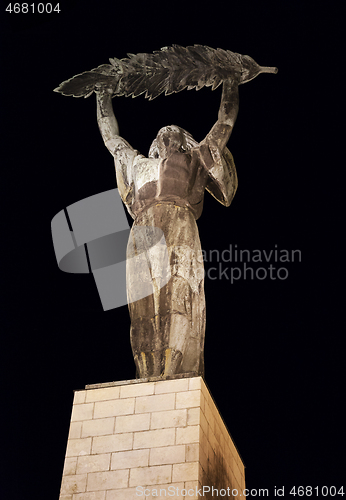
(162, 434)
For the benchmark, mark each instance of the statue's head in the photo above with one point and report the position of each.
(169, 140)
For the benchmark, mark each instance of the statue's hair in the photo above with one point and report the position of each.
(190, 143)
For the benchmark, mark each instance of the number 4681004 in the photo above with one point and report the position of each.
(32, 8)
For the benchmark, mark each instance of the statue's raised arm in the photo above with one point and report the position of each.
(228, 111)
(124, 154)
(106, 120)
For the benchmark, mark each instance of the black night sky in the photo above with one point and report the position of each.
(274, 348)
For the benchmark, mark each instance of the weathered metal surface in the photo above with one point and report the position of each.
(166, 191)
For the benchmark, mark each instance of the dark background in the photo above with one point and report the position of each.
(274, 348)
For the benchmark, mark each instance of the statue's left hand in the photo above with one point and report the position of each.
(104, 88)
(237, 76)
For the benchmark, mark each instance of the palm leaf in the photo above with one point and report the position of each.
(171, 69)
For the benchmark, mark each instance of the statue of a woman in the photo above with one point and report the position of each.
(166, 191)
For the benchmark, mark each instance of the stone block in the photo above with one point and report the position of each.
(203, 460)
(204, 389)
(153, 439)
(214, 411)
(192, 452)
(202, 404)
(164, 491)
(134, 390)
(73, 484)
(70, 466)
(130, 459)
(195, 384)
(92, 495)
(203, 442)
(93, 463)
(185, 472)
(187, 435)
(188, 399)
(222, 443)
(79, 397)
(211, 455)
(114, 408)
(178, 385)
(82, 412)
(217, 432)
(75, 430)
(224, 430)
(77, 447)
(112, 443)
(203, 422)
(232, 481)
(131, 423)
(209, 416)
(237, 458)
(193, 416)
(212, 440)
(157, 402)
(98, 427)
(193, 488)
(123, 494)
(169, 418)
(150, 475)
(167, 455)
(103, 394)
(236, 472)
(110, 480)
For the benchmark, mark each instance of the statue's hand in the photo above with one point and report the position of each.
(104, 88)
(234, 79)
(237, 76)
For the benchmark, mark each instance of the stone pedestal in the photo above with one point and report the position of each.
(149, 439)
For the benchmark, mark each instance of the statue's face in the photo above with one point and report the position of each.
(169, 140)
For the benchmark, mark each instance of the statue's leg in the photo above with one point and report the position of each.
(147, 342)
(168, 322)
(182, 320)
(193, 359)
(175, 321)
(182, 304)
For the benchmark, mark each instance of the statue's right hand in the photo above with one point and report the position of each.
(102, 88)
(236, 76)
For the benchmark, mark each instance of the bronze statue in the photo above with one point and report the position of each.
(166, 191)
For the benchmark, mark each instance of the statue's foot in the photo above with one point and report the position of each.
(162, 363)
(149, 364)
(172, 361)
